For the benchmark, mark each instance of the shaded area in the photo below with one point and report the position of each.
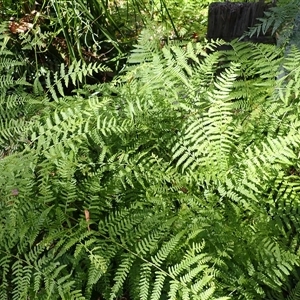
(228, 20)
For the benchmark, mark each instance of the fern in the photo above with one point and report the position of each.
(76, 73)
(277, 19)
(178, 180)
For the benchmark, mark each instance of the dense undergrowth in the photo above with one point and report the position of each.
(49, 32)
(177, 179)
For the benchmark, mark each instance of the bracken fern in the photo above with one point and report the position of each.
(178, 180)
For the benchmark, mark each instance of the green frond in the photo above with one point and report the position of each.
(178, 180)
(76, 73)
(277, 19)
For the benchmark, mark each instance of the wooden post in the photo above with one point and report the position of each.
(229, 20)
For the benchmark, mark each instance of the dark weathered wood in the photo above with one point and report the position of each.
(228, 20)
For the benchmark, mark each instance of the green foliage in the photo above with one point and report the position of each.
(99, 30)
(90, 31)
(14, 98)
(177, 180)
(279, 20)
